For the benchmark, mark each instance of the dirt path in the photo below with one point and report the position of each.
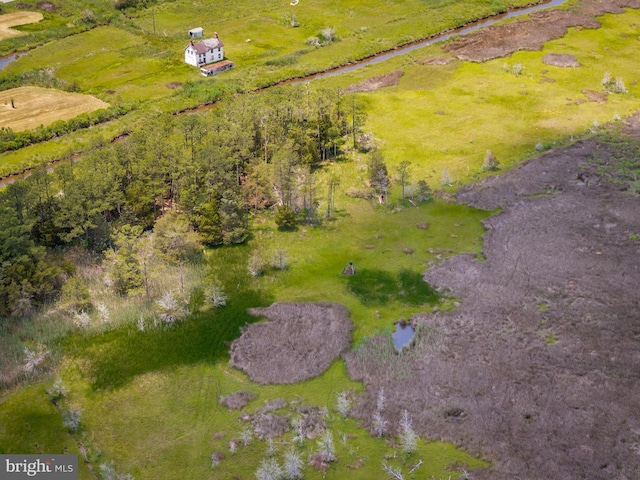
(538, 369)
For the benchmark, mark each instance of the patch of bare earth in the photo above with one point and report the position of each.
(538, 369)
(374, 83)
(560, 60)
(501, 40)
(299, 342)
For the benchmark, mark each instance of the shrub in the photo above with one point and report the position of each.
(612, 85)
(57, 392)
(328, 34)
(269, 469)
(424, 192)
(343, 404)
(75, 296)
(285, 218)
(490, 162)
(215, 294)
(171, 308)
(292, 465)
(71, 420)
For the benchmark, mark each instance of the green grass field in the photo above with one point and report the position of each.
(448, 116)
(129, 60)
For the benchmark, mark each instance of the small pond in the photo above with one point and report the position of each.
(403, 335)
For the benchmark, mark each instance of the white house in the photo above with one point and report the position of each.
(205, 51)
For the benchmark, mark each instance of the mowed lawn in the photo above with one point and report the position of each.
(26, 108)
(14, 19)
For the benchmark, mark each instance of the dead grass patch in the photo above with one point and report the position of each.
(238, 400)
(374, 83)
(13, 20)
(299, 342)
(597, 97)
(26, 108)
(560, 60)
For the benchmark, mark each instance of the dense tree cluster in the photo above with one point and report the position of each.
(252, 152)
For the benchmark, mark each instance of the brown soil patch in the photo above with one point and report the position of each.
(439, 61)
(597, 97)
(34, 106)
(14, 19)
(560, 60)
(501, 40)
(47, 7)
(173, 85)
(538, 368)
(374, 83)
(299, 342)
(238, 400)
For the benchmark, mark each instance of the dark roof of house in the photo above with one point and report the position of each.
(217, 65)
(203, 46)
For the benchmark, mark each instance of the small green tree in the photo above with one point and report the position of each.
(75, 296)
(424, 192)
(285, 217)
(233, 221)
(378, 173)
(125, 270)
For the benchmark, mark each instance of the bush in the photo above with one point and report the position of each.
(285, 218)
(75, 296)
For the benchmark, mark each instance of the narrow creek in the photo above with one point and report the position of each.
(376, 58)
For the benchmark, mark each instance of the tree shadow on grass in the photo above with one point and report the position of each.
(379, 287)
(120, 355)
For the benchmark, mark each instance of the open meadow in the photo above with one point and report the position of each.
(133, 393)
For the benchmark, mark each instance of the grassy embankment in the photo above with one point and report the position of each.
(158, 396)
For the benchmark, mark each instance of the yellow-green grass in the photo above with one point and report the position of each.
(256, 33)
(131, 64)
(14, 19)
(26, 108)
(447, 117)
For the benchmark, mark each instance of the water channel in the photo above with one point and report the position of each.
(377, 58)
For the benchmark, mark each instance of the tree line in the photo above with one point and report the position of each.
(249, 153)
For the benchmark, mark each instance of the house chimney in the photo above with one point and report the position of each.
(191, 42)
(215, 34)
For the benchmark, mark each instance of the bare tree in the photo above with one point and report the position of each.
(392, 472)
(269, 469)
(408, 438)
(403, 171)
(343, 404)
(292, 465)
